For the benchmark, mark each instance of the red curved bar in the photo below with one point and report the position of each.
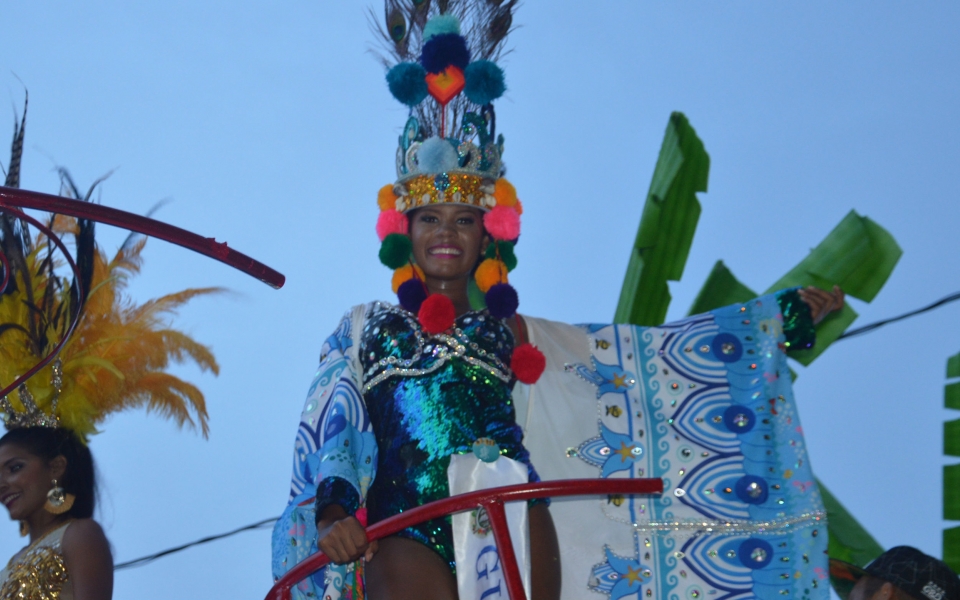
(492, 500)
(76, 277)
(13, 197)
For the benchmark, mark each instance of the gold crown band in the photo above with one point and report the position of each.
(445, 188)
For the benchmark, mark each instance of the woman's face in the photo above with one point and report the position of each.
(25, 480)
(447, 240)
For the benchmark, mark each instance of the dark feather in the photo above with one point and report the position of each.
(16, 148)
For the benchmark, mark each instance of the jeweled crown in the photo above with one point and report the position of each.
(32, 415)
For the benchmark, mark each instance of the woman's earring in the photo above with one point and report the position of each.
(57, 501)
(24, 529)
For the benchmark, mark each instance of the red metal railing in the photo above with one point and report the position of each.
(13, 198)
(492, 500)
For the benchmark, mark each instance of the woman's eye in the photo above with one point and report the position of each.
(467, 221)
(15, 468)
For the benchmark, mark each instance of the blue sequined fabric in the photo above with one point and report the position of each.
(429, 397)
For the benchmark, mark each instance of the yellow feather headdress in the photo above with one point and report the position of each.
(118, 354)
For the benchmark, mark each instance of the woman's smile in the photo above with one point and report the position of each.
(445, 251)
(9, 498)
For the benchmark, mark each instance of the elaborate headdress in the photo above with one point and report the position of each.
(442, 65)
(99, 352)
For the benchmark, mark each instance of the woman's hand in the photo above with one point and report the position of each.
(342, 537)
(821, 302)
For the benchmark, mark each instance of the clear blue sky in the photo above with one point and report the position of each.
(270, 126)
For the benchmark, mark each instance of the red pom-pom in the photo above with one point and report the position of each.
(391, 221)
(436, 314)
(527, 363)
(503, 223)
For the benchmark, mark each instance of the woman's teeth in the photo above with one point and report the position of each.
(450, 251)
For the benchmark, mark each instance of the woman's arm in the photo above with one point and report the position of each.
(821, 302)
(89, 563)
(341, 536)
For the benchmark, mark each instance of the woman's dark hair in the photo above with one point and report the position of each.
(78, 479)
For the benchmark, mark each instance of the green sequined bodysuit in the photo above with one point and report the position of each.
(430, 397)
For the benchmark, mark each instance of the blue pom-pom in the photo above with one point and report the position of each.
(437, 155)
(502, 300)
(411, 294)
(444, 50)
(407, 84)
(484, 82)
(439, 25)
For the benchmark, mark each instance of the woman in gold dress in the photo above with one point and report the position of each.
(47, 482)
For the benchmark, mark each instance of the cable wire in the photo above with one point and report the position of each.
(872, 326)
(138, 562)
(260, 524)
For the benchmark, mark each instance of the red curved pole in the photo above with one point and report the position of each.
(492, 500)
(13, 197)
(52, 236)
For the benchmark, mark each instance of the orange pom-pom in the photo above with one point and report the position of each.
(518, 207)
(490, 273)
(437, 314)
(504, 192)
(527, 363)
(403, 274)
(386, 198)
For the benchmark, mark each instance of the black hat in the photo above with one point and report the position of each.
(922, 577)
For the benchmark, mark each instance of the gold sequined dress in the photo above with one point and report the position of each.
(38, 572)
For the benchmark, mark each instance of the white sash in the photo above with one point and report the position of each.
(479, 573)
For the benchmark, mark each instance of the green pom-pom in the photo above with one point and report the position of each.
(507, 255)
(395, 250)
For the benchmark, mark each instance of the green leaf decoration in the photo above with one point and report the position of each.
(953, 366)
(951, 548)
(667, 225)
(951, 473)
(720, 289)
(848, 540)
(951, 395)
(951, 492)
(858, 255)
(951, 438)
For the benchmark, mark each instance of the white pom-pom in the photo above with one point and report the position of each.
(437, 156)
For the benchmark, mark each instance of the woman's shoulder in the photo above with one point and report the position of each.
(80, 532)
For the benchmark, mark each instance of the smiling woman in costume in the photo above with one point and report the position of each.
(406, 395)
(408, 398)
(114, 359)
(47, 483)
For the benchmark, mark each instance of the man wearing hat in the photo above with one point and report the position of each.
(901, 573)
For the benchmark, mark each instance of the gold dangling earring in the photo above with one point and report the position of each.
(57, 501)
(24, 529)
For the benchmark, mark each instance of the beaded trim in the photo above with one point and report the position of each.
(695, 527)
(441, 347)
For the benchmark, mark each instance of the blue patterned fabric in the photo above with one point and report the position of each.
(706, 404)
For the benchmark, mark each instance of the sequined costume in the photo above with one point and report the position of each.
(428, 398)
(38, 572)
(388, 407)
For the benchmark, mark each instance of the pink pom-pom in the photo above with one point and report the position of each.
(503, 223)
(391, 221)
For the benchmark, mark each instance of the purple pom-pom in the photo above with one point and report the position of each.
(411, 294)
(444, 50)
(502, 300)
